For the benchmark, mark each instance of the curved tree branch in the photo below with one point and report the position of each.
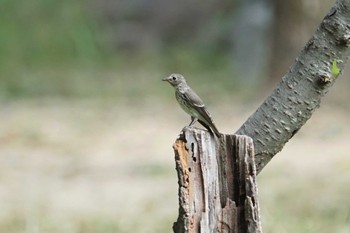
(299, 93)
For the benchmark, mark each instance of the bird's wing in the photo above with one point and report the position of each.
(193, 98)
(206, 119)
(198, 104)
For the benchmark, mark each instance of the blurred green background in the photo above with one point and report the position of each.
(87, 126)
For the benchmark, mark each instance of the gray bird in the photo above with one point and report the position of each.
(191, 103)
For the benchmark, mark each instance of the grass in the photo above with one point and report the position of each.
(309, 205)
(89, 166)
(86, 132)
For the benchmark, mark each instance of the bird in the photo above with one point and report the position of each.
(191, 103)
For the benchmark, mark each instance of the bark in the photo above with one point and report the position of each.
(217, 187)
(299, 93)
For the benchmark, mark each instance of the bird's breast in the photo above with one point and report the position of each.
(185, 105)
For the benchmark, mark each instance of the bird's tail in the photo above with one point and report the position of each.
(212, 128)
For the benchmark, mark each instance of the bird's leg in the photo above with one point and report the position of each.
(193, 120)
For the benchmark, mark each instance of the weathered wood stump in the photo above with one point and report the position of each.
(217, 185)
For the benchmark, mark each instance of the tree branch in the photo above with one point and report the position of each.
(299, 93)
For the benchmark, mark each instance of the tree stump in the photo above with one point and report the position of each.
(217, 183)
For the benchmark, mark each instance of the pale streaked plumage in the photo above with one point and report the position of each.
(191, 103)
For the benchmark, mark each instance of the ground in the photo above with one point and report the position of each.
(89, 166)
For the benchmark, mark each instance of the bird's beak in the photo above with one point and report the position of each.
(165, 79)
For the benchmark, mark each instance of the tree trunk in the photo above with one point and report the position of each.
(299, 93)
(217, 187)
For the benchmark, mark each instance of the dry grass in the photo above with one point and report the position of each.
(85, 166)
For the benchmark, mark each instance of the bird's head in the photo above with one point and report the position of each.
(175, 79)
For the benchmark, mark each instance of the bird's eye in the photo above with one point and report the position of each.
(174, 78)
